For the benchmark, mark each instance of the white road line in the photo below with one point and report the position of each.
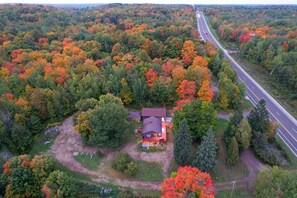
(295, 130)
(280, 134)
(277, 113)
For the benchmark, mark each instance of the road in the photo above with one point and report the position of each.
(287, 129)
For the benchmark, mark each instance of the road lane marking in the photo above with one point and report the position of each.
(295, 130)
(282, 135)
(278, 113)
(286, 143)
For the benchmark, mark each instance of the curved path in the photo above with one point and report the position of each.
(69, 141)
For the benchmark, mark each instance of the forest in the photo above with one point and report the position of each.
(266, 36)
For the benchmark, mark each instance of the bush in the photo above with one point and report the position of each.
(131, 169)
(124, 163)
(86, 190)
(120, 161)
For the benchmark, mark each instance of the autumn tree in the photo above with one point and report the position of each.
(178, 75)
(206, 155)
(151, 77)
(186, 90)
(58, 184)
(205, 92)
(182, 144)
(188, 52)
(188, 182)
(199, 62)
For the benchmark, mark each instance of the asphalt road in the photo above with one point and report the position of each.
(287, 129)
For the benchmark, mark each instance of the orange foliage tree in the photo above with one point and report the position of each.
(188, 52)
(178, 75)
(199, 61)
(205, 92)
(188, 182)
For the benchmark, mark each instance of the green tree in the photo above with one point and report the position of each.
(200, 116)
(59, 185)
(109, 125)
(233, 150)
(275, 182)
(244, 133)
(259, 118)
(206, 156)
(21, 138)
(182, 144)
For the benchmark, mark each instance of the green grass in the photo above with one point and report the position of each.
(73, 174)
(236, 193)
(220, 126)
(88, 162)
(40, 147)
(147, 193)
(246, 104)
(148, 171)
(292, 159)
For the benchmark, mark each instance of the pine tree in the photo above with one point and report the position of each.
(233, 155)
(244, 134)
(206, 156)
(182, 144)
(259, 118)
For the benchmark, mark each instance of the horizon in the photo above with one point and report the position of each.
(171, 2)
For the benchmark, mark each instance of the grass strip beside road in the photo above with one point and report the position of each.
(262, 78)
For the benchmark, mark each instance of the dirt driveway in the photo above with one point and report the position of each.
(69, 141)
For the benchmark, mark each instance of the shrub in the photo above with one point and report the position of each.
(121, 161)
(131, 169)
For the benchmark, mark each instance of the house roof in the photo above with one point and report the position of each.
(152, 124)
(134, 114)
(157, 112)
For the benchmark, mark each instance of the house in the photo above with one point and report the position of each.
(153, 131)
(156, 112)
(134, 116)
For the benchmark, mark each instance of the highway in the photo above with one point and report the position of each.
(287, 129)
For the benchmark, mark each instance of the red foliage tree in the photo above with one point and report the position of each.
(244, 38)
(186, 90)
(188, 181)
(151, 76)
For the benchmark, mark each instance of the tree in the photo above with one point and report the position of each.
(200, 116)
(139, 89)
(205, 92)
(151, 76)
(259, 118)
(178, 75)
(206, 155)
(186, 90)
(188, 182)
(244, 133)
(109, 125)
(188, 52)
(233, 150)
(199, 62)
(59, 185)
(275, 182)
(182, 144)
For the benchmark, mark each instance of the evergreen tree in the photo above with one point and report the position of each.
(206, 156)
(244, 134)
(233, 155)
(259, 118)
(182, 144)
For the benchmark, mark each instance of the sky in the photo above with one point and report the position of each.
(154, 1)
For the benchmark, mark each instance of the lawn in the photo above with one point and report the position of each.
(220, 126)
(148, 171)
(236, 193)
(73, 174)
(88, 161)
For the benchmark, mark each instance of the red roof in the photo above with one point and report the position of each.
(157, 112)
